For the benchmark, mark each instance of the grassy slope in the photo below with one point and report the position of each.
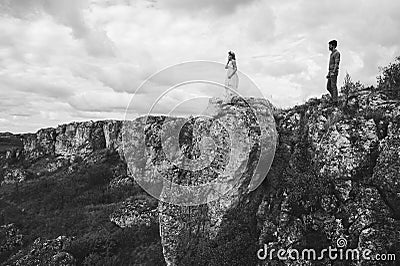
(79, 205)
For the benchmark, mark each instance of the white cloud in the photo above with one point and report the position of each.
(68, 13)
(218, 7)
(78, 60)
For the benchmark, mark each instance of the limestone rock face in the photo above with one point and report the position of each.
(58, 147)
(112, 135)
(185, 229)
(134, 213)
(79, 138)
(335, 176)
(386, 175)
(39, 144)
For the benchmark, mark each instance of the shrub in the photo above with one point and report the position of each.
(350, 87)
(305, 191)
(389, 79)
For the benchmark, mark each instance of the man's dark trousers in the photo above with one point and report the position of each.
(332, 87)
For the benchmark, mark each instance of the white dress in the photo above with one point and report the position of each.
(232, 83)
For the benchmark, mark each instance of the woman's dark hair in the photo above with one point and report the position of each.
(232, 54)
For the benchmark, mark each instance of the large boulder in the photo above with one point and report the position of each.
(176, 160)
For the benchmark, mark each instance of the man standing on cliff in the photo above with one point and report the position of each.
(333, 71)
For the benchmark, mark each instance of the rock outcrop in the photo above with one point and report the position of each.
(46, 252)
(134, 212)
(10, 239)
(335, 176)
(188, 230)
(70, 140)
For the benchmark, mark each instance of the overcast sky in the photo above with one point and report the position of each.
(63, 61)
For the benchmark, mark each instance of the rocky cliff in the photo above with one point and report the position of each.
(335, 176)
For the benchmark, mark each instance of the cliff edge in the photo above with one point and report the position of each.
(335, 175)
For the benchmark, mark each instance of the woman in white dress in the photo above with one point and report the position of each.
(232, 79)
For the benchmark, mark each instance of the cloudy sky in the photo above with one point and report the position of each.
(75, 60)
